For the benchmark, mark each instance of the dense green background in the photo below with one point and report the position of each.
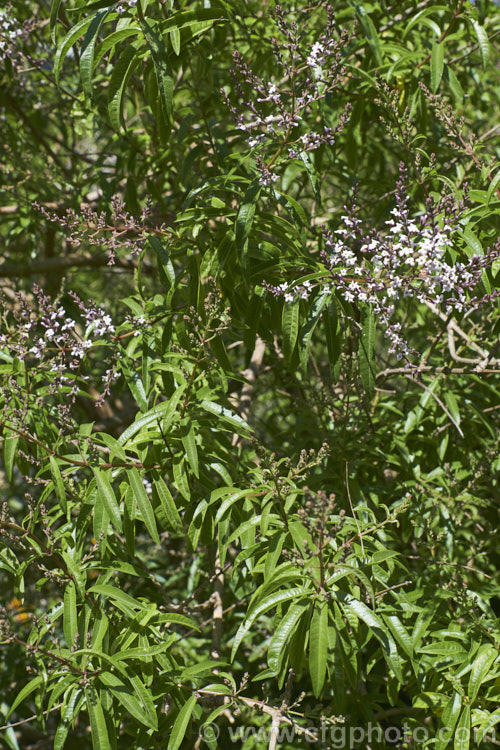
(352, 503)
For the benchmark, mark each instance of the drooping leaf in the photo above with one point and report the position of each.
(98, 726)
(108, 497)
(483, 661)
(283, 633)
(88, 51)
(144, 503)
(181, 723)
(318, 646)
(437, 65)
(367, 351)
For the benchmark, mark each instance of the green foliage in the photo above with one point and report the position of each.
(234, 499)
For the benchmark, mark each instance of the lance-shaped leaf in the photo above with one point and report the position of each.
(480, 669)
(260, 609)
(181, 723)
(437, 65)
(449, 719)
(98, 726)
(144, 503)
(107, 496)
(318, 646)
(283, 634)
(290, 322)
(88, 51)
(162, 67)
(125, 66)
(377, 626)
(367, 351)
(244, 220)
(462, 732)
(69, 40)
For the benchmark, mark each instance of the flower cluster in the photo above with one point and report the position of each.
(125, 5)
(54, 338)
(274, 115)
(12, 31)
(410, 260)
(114, 231)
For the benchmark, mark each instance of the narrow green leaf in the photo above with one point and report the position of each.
(98, 726)
(311, 173)
(10, 441)
(58, 483)
(163, 70)
(290, 322)
(444, 648)
(168, 506)
(88, 51)
(233, 420)
(369, 30)
(175, 39)
(480, 669)
(246, 213)
(180, 477)
(69, 40)
(448, 721)
(112, 40)
(181, 723)
(70, 622)
(483, 42)
(188, 18)
(108, 497)
(377, 627)
(400, 634)
(162, 413)
(484, 728)
(145, 697)
(367, 351)
(73, 700)
(452, 404)
(462, 732)
(123, 694)
(283, 633)
(125, 602)
(144, 503)
(165, 266)
(26, 690)
(307, 328)
(318, 646)
(437, 65)
(494, 186)
(124, 67)
(229, 501)
(264, 606)
(136, 386)
(455, 85)
(189, 443)
(54, 14)
(333, 338)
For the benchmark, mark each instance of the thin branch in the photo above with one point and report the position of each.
(352, 509)
(449, 564)
(49, 265)
(30, 718)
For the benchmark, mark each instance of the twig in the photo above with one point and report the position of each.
(278, 713)
(438, 401)
(450, 564)
(49, 265)
(250, 374)
(352, 508)
(392, 588)
(30, 718)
